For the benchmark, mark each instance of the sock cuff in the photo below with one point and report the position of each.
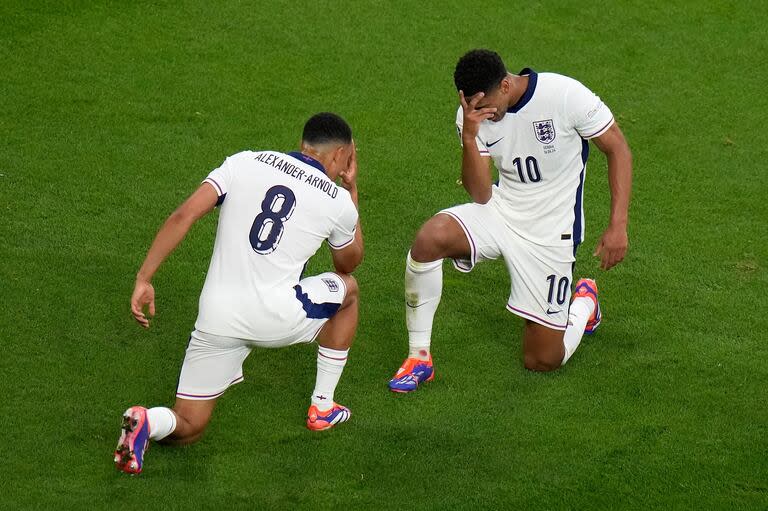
(162, 422)
(417, 267)
(332, 355)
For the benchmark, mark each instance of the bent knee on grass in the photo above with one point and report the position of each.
(543, 365)
(543, 347)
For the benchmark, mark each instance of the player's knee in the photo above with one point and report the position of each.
(353, 290)
(422, 248)
(535, 362)
(432, 240)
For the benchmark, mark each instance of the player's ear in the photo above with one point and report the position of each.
(338, 155)
(505, 84)
(333, 158)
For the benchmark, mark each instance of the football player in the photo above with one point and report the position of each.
(536, 128)
(276, 209)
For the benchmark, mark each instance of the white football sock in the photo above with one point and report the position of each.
(162, 422)
(330, 365)
(578, 315)
(423, 288)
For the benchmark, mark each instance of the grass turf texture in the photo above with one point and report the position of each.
(111, 114)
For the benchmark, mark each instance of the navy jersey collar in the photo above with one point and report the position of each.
(533, 77)
(308, 160)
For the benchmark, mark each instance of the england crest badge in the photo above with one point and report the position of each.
(545, 131)
(333, 287)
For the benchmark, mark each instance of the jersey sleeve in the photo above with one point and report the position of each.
(221, 180)
(343, 232)
(460, 126)
(588, 114)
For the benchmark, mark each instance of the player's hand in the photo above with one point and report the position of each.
(143, 294)
(612, 247)
(473, 116)
(349, 176)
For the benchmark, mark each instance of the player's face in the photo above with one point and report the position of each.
(495, 98)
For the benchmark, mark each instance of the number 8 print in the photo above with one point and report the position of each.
(267, 229)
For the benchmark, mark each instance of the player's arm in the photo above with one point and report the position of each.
(346, 259)
(475, 168)
(612, 246)
(175, 228)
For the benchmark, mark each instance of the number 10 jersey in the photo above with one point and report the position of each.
(276, 210)
(540, 149)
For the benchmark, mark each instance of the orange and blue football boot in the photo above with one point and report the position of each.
(319, 421)
(411, 374)
(134, 440)
(587, 288)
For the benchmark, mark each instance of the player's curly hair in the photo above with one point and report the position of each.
(325, 128)
(479, 71)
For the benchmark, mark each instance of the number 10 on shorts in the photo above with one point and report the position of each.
(562, 289)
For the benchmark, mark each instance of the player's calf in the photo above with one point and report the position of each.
(192, 418)
(339, 331)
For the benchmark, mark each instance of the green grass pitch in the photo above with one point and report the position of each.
(112, 112)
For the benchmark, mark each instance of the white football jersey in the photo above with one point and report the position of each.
(540, 149)
(275, 211)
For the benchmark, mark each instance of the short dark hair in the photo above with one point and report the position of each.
(326, 127)
(479, 71)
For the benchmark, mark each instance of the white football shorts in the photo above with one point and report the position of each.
(541, 275)
(213, 363)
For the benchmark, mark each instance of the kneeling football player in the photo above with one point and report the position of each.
(276, 209)
(535, 128)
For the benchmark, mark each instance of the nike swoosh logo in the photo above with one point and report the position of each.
(494, 143)
(414, 306)
(553, 312)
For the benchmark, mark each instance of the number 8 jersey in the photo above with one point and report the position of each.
(540, 149)
(276, 210)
